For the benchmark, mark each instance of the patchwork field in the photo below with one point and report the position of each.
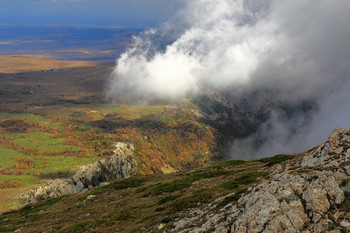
(53, 122)
(52, 142)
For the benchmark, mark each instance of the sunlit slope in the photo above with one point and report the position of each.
(143, 203)
(52, 141)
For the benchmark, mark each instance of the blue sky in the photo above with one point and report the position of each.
(134, 13)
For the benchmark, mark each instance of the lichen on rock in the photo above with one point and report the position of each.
(303, 195)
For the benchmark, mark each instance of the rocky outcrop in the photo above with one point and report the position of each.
(307, 194)
(120, 165)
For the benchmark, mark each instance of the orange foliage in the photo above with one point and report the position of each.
(9, 184)
(178, 140)
(172, 137)
(22, 163)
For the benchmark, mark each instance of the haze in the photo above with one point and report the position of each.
(131, 13)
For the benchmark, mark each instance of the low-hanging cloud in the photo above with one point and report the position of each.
(298, 49)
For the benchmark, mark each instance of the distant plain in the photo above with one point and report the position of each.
(89, 43)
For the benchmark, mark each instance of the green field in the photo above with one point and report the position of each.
(46, 142)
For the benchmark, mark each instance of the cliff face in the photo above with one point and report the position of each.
(120, 165)
(310, 193)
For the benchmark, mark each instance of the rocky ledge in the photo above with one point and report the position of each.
(120, 165)
(310, 193)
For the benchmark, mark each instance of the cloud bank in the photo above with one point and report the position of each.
(299, 50)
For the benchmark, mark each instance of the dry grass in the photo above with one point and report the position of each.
(20, 64)
(7, 202)
(137, 204)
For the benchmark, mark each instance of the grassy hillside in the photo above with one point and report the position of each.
(141, 203)
(52, 141)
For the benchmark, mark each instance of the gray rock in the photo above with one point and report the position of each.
(90, 197)
(120, 165)
(305, 198)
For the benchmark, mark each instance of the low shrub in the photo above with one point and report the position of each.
(201, 196)
(245, 179)
(277, 159)
(167, 199)
(16, 125)
(120, 184)
(232, 198)
(230, 163)
(170, 218)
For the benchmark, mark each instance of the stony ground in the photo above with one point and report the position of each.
(308, 194)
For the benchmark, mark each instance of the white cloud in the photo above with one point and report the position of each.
(300, 49)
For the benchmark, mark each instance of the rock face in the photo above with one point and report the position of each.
(310, 193)
(120, 165)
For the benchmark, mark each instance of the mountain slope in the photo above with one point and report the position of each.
(308, 192)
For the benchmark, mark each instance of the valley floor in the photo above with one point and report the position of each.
(52, 122)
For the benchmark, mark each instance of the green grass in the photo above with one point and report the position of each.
(120, 184)
(41, 205)
(199, 197)
(232, 198)
(42, 141)
(24, 180)
(131, 112)
(56, 125)
(230, 163)
(80, 115)
(245, 179)
(82, 226)
(277, 159)
(167, 199)
(169, 218)
(124, 215)
(60, 111)
(185, 182)
(62, 163)
(170, 186)
(8, 156)
(52, 164)
(205, 174)
(25, 116)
